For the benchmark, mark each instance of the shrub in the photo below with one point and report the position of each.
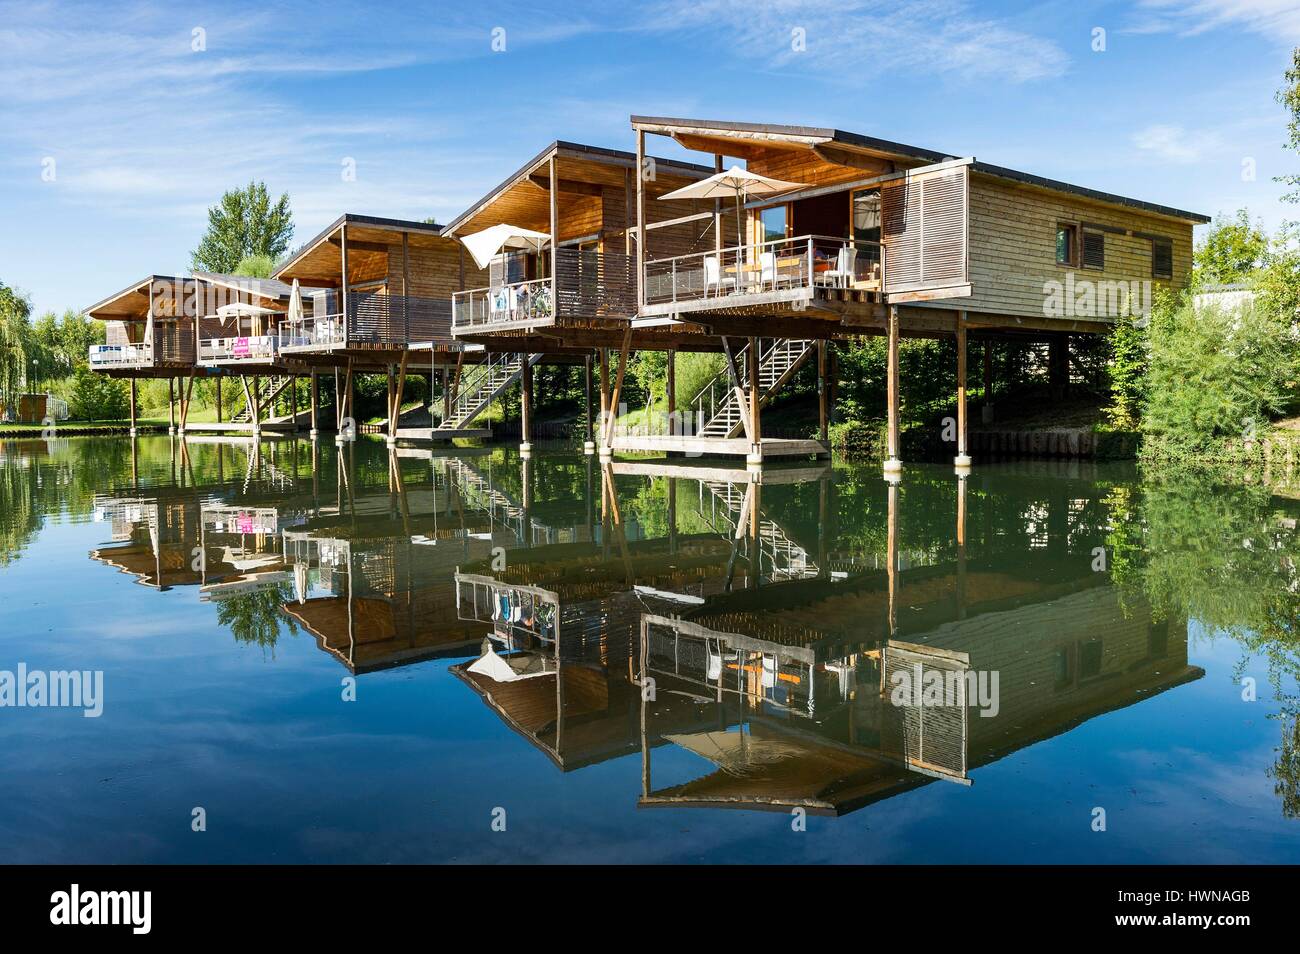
(95, 397)
(1216, 373)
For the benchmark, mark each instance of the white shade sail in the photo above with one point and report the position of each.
(485, 245)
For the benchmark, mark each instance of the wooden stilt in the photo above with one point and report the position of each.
(823, 417)
(133, 407)
(618, 389)
(893, 463)
(315, 402)
(219, 411)
(963, 455)
(755, 406)
(171, 405)
(526, 408)
(671, 389)
(590, 442)
(397, 397)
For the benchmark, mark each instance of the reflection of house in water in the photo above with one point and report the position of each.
(798, 688)
(559, 661)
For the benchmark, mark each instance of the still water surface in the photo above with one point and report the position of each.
(347, 655)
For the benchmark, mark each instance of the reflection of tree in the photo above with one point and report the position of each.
(1286, 770)
(255, 617)
(1229, 557)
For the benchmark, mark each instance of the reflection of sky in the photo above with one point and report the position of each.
(412, 770)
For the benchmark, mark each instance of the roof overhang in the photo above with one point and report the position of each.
(581, 170)
(744, 140)
(320, 257)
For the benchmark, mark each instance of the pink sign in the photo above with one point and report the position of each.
(240, 350)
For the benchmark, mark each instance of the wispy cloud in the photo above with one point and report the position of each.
(1169, 143)
(867, 37)
(1279, 19)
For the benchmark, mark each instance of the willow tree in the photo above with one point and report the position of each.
(15, 339)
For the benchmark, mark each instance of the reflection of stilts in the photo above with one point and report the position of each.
(891, 556)
(397, 487)
(609, 506)
(961, 547)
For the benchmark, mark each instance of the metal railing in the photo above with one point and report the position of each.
(316, 331)
(120, 355)
(807, 261)
(518, 301)
(237, 348)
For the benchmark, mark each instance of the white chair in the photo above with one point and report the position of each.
(713, 277)
(843, 274)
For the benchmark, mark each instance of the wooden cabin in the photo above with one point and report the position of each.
(876, 237)
(149, 329)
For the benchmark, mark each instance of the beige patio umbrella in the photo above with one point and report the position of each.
(485, 245)
(737, 182)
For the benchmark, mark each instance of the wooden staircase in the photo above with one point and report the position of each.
(718, 404)
(483, 385)
(267, 392)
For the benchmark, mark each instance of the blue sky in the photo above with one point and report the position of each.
(145, 132)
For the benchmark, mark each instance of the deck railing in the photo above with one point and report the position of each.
(588, 284)
(120, 355)
(767, 268)
(238, 348)
(372, 319)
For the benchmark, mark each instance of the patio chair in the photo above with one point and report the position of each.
(771, 274)
(842, 275)
(713, 277)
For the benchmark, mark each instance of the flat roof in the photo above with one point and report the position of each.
(818, 135)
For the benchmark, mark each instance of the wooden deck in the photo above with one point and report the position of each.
(717, 446)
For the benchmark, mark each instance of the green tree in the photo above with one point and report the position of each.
(1127, 369)
(1232, 251)
(255, 266)
(1289, 97)
(1215, 372)
(15, 339)
(244, 223)
(96, 397)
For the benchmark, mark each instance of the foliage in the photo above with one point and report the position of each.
(96, 397)
(1278, 283)
(1128, 367)
(255, 266)
(1215, 373)
(244, 223)
(1230, 252)
(1289, 97)
(15, 339)
(255, 617)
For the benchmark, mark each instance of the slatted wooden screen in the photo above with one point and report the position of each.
(925, 221)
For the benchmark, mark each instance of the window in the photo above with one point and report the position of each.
(1094, 250)
(1067, 241)
(1162, 258)
(772, 223)
(1090, 659)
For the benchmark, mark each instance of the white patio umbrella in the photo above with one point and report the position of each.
(239, 309)
(295, 303)
(485, 245)
(737, 182)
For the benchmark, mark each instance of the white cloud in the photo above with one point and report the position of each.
(1279, 19)
(1169, 143)
(867, 38)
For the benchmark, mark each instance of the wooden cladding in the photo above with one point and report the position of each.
(397, 319)
(593, 284)
(924, 226)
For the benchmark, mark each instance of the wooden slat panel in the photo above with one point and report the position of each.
(924, 226)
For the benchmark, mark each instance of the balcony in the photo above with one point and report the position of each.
(787, 274)
(376, 318)
(238, 349)
(588, 285)
(109, 356)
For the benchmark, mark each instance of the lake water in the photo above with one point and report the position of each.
(341, 655)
